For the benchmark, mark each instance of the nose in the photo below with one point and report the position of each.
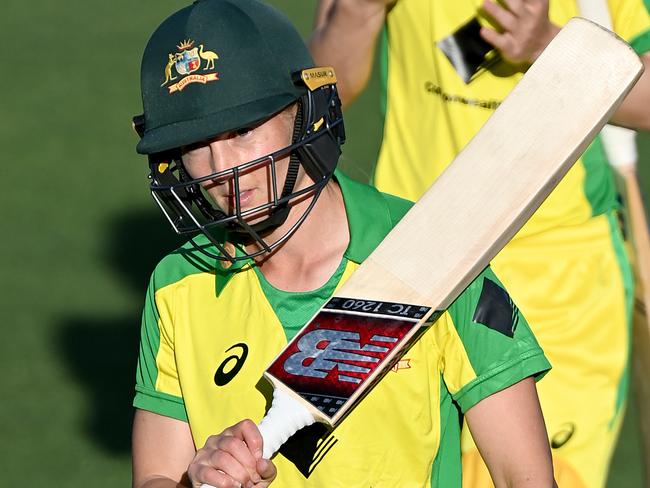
(222, 156)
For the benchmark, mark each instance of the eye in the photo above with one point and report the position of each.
(243, 131)
(197, 146)
(195, 152)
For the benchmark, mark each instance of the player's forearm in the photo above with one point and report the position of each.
(162, 450)
(345, 36)
(161, 482)
(525, 481)
(532, 471)
(515, 446)
(634, 112)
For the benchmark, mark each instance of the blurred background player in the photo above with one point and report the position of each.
(446, 66)
(242, 151)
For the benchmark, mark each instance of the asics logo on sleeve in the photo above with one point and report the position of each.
(230, 366)
(320, 351)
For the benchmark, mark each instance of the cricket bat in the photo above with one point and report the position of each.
(620, 146)
(472, 210)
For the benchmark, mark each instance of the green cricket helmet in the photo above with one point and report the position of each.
(218, 66)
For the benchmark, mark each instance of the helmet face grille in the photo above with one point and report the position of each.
(318, 134)
(217, 66)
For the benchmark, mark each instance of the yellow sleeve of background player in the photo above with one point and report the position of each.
(631, 21)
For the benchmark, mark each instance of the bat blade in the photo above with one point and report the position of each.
(473, 209)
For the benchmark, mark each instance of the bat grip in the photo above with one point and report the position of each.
(285, 417)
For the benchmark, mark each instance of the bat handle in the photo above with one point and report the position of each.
(285, 417)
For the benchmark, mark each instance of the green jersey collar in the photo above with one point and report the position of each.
(369, 217)
(369, 220)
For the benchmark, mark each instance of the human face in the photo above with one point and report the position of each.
(232, 149)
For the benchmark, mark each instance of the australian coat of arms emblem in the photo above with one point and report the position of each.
(182, 66)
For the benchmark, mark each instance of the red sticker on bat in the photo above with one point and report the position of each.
(336, 353)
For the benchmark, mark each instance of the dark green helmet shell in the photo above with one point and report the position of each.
(215, 66)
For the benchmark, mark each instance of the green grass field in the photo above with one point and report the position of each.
(81, 235)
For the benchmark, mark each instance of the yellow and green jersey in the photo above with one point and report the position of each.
(209, 332)
(566, 268)
(440, 88)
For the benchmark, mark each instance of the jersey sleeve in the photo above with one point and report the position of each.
(157, 386)
(485, 343)
(631, 21)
